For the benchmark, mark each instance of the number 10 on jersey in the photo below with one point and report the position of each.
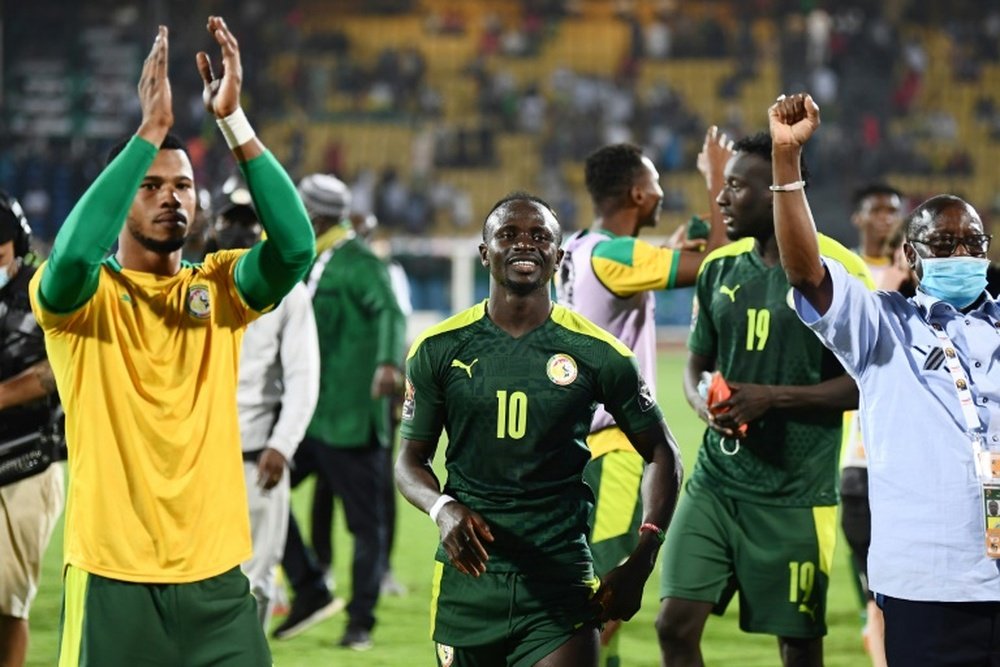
(512, 414)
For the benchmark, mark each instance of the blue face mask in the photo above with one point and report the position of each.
(5, 275)
(955, 280)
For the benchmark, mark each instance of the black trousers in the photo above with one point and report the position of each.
(941, 634)
(356, 476)
(321, 527)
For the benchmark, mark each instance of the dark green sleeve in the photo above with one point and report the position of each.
(272, 267)
(380, 301)
(626, 395)
(703, 336)
(423, 401)
(85, 239)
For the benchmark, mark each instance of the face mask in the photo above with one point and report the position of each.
(955, 280)
(5, 274)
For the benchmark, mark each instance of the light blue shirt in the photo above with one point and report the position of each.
(928, 537)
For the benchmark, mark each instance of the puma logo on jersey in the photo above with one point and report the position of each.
(730, 292)
(455, 363)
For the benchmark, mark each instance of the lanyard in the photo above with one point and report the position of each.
(962, 388)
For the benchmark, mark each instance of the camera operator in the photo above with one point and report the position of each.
(31, 490)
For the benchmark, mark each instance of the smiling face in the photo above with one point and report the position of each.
(164, 204)
(745, 200)
(521, 247)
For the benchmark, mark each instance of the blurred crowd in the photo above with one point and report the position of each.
(865, 62)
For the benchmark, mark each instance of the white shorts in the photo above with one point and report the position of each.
(29, 510)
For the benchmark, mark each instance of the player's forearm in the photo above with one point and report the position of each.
(34, 382)
(837, 394)
(91, 229)
(415, 476)
(696, 365)
(661, 486)
(271, 268)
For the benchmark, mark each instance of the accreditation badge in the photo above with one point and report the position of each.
(991, 518)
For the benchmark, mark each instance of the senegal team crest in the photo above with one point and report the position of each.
(561, 369)
(199, 304)
(446, 655)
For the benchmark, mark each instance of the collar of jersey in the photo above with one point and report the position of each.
(112, 263)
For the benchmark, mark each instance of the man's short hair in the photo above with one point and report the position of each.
(521, 195)
(611, 170)
(927, 212)
(170, 142)
(239, 214)
(872, 190)
(759, 144)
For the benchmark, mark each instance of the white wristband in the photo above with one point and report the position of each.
(789, 187)
(438, 505)
(236, 128)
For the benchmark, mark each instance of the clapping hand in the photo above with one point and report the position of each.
(155, 97)
(221, 95)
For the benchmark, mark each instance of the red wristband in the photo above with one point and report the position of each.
(653, 528)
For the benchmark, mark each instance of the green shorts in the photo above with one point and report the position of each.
(111, 623)
(505, 619)
(616, 478)
(778, 558)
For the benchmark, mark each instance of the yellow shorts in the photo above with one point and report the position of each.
(29, 510)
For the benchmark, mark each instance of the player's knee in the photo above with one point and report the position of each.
(673, 628)
(669, 627)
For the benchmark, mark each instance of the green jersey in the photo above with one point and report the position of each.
(745, 320)
(517, 412)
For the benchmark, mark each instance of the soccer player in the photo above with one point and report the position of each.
(759, 515)
(145, 351)
(608, 276)
(513, 381)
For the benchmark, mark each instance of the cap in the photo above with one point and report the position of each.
(325, 196)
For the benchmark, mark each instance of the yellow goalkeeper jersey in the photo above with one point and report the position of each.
(147, 371)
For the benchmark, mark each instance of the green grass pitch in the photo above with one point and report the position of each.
(401, 637)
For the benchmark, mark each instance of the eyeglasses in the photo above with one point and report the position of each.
(945, 246)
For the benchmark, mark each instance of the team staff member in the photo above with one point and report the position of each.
(514, 381)
(29, 508)
(608, 275)
(927, 370)
(760, 511)
(145, 351)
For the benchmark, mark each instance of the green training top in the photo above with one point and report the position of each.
(517, 413)
(744, 319)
